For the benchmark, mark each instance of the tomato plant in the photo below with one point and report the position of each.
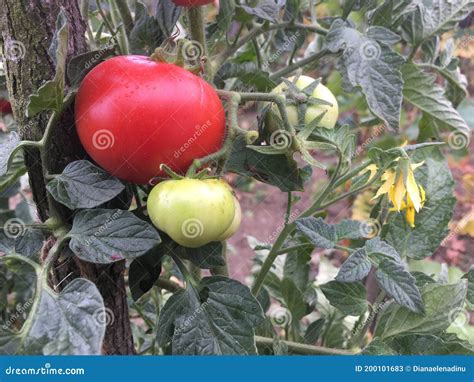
(134, 114)
(325, 104)
(192, 3)
(328, 129)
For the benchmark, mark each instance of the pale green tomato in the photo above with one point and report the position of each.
(193, 212)
(235, 222)
(312, 111)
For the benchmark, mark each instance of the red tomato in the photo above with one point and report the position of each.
(5, 107)
(133, 114)
(192, 3)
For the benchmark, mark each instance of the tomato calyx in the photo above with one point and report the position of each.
(185, 53)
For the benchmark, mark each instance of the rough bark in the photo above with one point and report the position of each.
(30, 25)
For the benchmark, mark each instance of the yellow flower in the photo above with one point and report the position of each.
(402, 189)
(410, 207)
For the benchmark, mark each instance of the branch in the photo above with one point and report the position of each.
(302, 349)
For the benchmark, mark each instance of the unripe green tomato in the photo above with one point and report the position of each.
(194, 212)
(312, 111)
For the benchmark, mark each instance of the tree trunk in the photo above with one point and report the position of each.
(27, 27)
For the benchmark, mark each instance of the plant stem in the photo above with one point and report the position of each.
(264, 28)
(303, 349)
(294, 248)
(104, 17)
(125, 15)
(119, 24)
(343, 248)
(224, 269)
(288, 229)
(196, 27)
(17, 256)
(167, 284)
(270, 259)
(305, 61)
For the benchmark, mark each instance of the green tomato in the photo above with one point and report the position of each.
(194, 212)
(312, 111)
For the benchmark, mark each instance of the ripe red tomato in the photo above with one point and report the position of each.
(5, 107)
(133, 114)
(192, 3)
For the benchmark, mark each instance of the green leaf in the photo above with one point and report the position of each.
(82, 64)
(433, 19)
(266, 9)
(319, 233)
(167, 14)
(470, 289)
(50, 95)
(370, 63)
(68, 323)
(431, 224)
(378, 347)
(226, 14)
(29, 243)
(277, 170)
(144, 271)
(349, 229)
(314, 331)
(105, 236)
(400, 284)
(217, 317)
(355, 268)
(430, 344)
(349, 298)
(248, 73)
(296, 267)
(421, 90)
(146, 34)
(9, 144)
(378, 250)
(83, 185)
(206, 257)
(293, 298)
(441, 302)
